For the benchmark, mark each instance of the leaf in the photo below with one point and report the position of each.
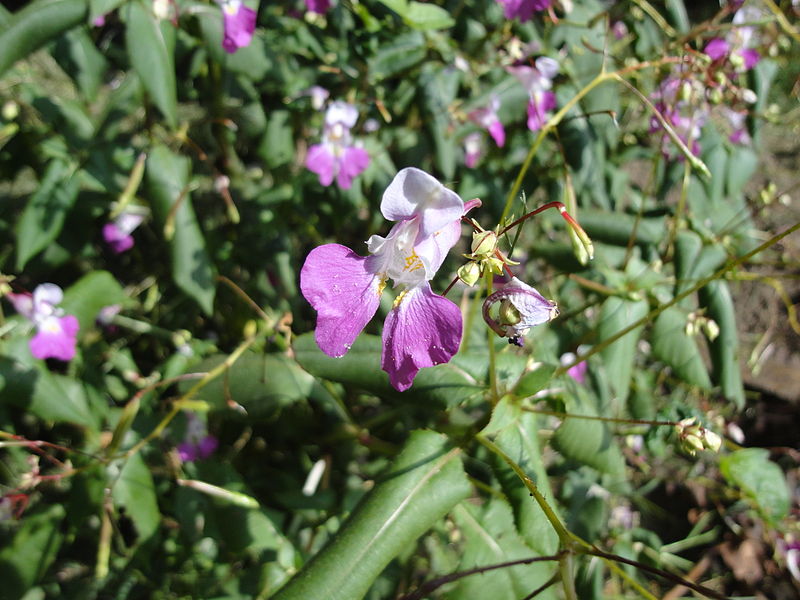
(442, 385)
(44, 214)
(261, 383)
(37, 24)
(253, 61)
(167, 178)
(716, 298)
(534, 381)
(440, 89)
(759, 478)
(425, 481)
(28, 555)
(84, 61)
(589, 442)
(490, 538)
(516, 433)
(150, 58)
(405, 51)
(133, 491)
(98, 8)
(89, 294)
(615, 315)
(427, 16)
(675, 347)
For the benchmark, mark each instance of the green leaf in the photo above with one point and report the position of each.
(516, 433)
(151, 59)
(44, 214)
(759, 478)
(167, 178)
(615, 315)
(672, 345)
(37, 24)
(261, 383)
(133, 490)
(89, 294)
(427, 16)
(589, 442)
(403, 52)
(442, 385)
(26, 558)
(440, 89)
(534, 381)
(88, 65)
(490, 538)
(425, 481)
(49, 396)
(716, 298)
(253, 61)
(99, 8)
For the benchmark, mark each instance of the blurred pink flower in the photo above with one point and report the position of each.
(56, 334)
(318, 6)
(538, 80)
(197, 444)
(736, 45)
(117, 233)
(487, 118)
(337, 156)
(523, 9)
(473, 147)
(577, 372)
(239, 23)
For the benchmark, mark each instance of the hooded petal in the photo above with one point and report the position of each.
(345, 290)
(47, 294)
(351, 164)
(422, 330)
(321, 161)
(56, 338)
(413, 193)
(341, 112)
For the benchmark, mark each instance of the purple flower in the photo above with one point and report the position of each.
(56, 335)
(736, 46)
(336, 156)
(117, 233)
(487, 118)
(422, 329)
(197, 444)
(239, 23)
(473, 148)
(577, 372)
(521, 307)
(318, 6)
(523, 9)
(538, 80)
(682, 102)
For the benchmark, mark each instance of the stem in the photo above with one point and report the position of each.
(565, 416)
(657, 311)
(490, 341)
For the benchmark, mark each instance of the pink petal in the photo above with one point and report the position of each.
(423, 330)
(414, 192)
(351, 164)
(319, 160)
(344, 290)
(433, 250)
(498, 133)
(537, 109)
(57, 338)
(116, 238)
(750, 56)
(717, 48)
(238, 28)
(207, 446)
(318, 6)
(23, 304)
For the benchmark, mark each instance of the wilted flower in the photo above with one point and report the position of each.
(487, 118)
(117, 233)
(56, 335)
(521, 307)
(422, 329)
(239, 23)
(336, 156)
(538, 80)
(523, 9)
(197, 444)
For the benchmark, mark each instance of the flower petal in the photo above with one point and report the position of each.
(412, 193)
(47, 293)
(320, 160)
(717, 48)
(238, 27)
(23, 304)
(56, 338)
(423, 330)
(498, 133)
(341, 112)
(344, 290)
(352, 163)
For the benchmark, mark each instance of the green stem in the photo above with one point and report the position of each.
(490, 342)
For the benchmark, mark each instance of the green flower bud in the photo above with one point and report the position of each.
(484, 243)
(469, 273)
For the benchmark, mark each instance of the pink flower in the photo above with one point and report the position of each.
(487, 118)
(521, 307)
(197, 444)
(523, 9)
(538, 80)
(473, 147)
(577, 372)
(56, 335)
(422, 329)
(239, 23)
(682, 102)
(336, 156)
(117, 233)
(318, 6)
(735, 47)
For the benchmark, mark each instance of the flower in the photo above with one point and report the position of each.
(422, 329)
(681, 100)
(117, 233)
(538, 80)
(735, 47)
(487, 118)
(238, 24)
(523, 9)
(318, 6)
(521, 307)
(56, 335)
(578, 371)
(197, 444)
(473, 146)
(336, 156)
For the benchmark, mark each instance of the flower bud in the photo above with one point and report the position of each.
(469, 273)
(10, 110)
(715, 96)
(685, 91)
(484, 243)
(711, 328)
